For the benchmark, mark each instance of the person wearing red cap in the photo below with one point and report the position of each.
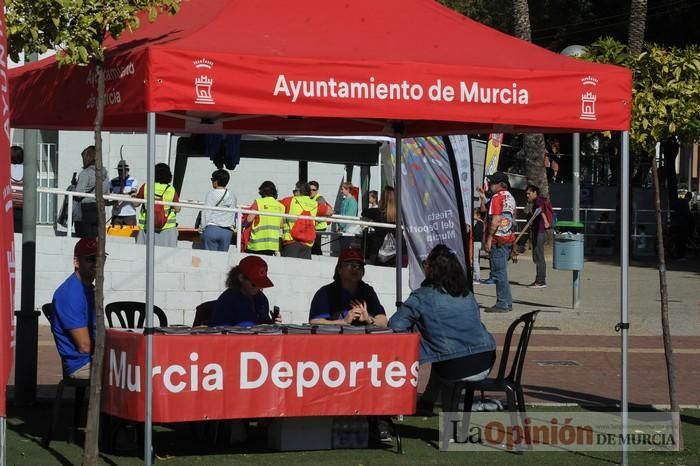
(244, 304)
(348, 300)
(73, 317)
(499, 238)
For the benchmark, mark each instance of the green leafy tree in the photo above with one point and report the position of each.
(665, 109)
(77, 30)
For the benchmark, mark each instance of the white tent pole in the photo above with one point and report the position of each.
(3, 440)
(399, 234)
(576, 201)
(150, 288)
(624, 279)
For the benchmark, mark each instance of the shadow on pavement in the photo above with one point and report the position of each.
(558, 395)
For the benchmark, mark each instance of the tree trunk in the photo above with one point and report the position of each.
(521, 20)
(638, 18)
(533, 144)
(92, 427)
(670, 149)
(665, 327)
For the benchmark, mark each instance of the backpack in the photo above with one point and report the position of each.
(160, 216)
(548, 211)
(304, 230)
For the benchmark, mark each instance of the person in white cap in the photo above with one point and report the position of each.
(124, 213)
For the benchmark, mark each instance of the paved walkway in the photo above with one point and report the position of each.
(574, 355)
(600, 299)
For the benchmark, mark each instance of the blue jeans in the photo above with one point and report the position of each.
(216, 238)
(499, 272)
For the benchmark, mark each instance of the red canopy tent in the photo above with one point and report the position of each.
(397, 67)
(320, 67)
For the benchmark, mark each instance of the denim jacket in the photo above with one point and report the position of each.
(450, 327)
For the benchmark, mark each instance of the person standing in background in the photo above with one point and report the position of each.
(166, 234)
(478, 238)
(124, 213)
(538, 234)
(293, 245)
(216, 226)
(320, 226)
(17, 179)
(499, 238)
(373, 200)
(265, 230)
(349, 206)
(85, 208)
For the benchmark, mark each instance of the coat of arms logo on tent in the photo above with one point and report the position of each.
(203, 83)
(588, 99)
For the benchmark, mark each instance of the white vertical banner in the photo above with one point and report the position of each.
(431, 201)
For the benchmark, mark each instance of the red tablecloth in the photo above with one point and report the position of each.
(198, 377)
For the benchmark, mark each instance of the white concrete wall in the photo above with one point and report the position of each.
(187, 277)
(245, 178)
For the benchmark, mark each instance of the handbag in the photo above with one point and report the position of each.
(387, 251)
(198, 220)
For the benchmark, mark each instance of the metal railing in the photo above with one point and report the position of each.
(239, 211)
(644, 239)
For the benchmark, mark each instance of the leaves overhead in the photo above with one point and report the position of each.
(76, 28)
(666, 90)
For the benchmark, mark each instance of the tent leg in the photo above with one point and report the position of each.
(624, 285)
(150, 288)
(399, 233)
(576, 194)
(3, 440)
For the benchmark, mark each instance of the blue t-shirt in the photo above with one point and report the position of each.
(73, 307)
(321, 304)
(234, 308)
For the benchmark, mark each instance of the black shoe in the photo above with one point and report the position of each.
(498, 309)
(425, 408)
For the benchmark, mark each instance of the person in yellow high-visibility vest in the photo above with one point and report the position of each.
(300, 202)
(320, 226)
(163, 190)
(266, 231)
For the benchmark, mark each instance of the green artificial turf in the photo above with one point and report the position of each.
(189, 445)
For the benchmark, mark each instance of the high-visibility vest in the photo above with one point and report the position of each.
(296, 206)
(265, 232)
(320, 226)
(167, 192)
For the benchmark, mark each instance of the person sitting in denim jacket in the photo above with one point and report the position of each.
(446, 314)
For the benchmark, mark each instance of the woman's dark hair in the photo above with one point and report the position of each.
(445, 273)
(304, 188)
(233, 281)
(533, 189)
(221, 177)
(163, 174)
(17, 154)
(268, 188)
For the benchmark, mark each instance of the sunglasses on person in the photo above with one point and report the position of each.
(355, 265)
(313, 189)
(91, 259)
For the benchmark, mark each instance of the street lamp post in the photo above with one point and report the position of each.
(575, 51)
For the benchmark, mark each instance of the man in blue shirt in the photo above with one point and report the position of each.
(73, 319)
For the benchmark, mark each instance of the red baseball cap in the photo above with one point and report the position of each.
(351, 255)
(85, 247)
(255, 270)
